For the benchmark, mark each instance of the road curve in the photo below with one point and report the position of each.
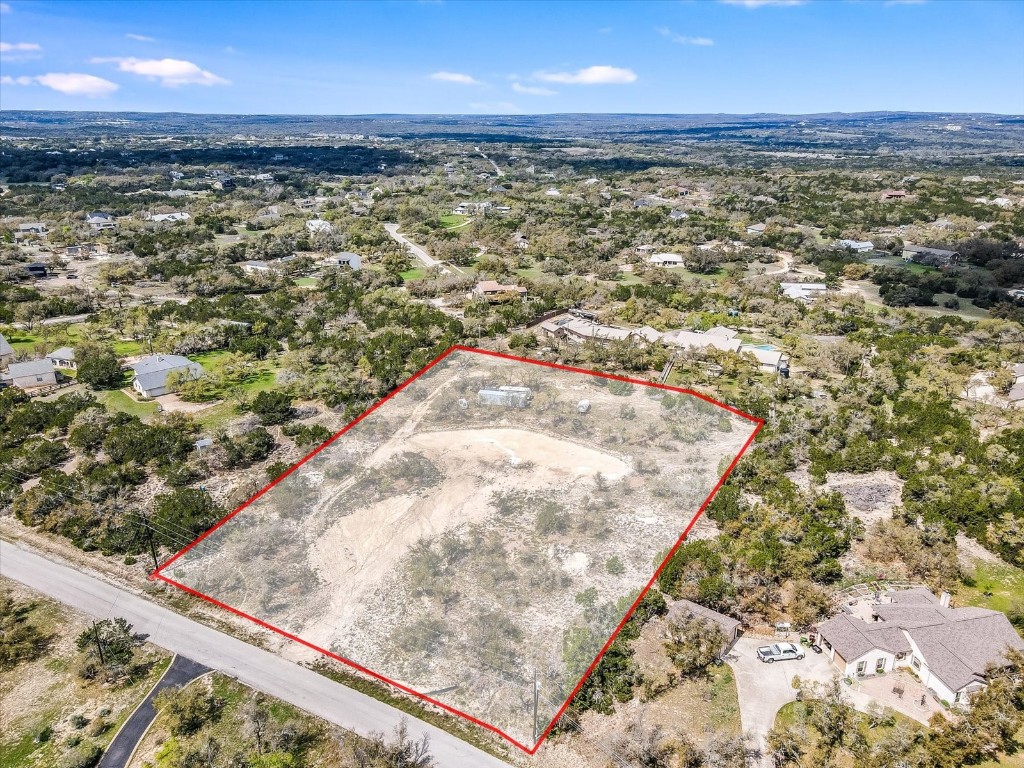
(252, 666)
(416, 250)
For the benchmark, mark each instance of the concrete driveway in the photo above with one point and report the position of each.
(764, 688)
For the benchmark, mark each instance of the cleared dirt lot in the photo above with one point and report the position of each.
(467, 549)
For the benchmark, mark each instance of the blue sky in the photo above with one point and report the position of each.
(731, 56)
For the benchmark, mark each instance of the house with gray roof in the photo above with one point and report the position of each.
(684, 609)
(100, 220)
(63, 358)
(6, 351)
(931, 257)
(151, 373)
(30, 374)
(950, 649)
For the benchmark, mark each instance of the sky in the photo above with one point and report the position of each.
(460, 57)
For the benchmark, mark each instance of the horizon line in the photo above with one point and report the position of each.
(950, 113)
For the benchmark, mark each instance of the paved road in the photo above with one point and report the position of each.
(416, 250)
(256, 668)
(181, 672)
(498, 172)
(764, 688)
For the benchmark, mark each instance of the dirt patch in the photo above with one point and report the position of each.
(969, 551)
(869, 497)
(451, 538)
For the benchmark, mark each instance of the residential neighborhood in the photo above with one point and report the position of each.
(643, 390)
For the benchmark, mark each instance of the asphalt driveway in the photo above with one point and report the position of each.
(764, 688)
(180, 672)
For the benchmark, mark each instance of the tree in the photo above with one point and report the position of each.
(185, 512)
(989, 726)
(188, 708)
(257, 718)
(20, 640)
(98, 366)
(400, 752)
(785, 746)
(273, 407)
(108, 644)
(693, 643)
(832, 717)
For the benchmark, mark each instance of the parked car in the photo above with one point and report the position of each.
(779, 652)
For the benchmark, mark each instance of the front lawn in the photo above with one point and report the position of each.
(999, 586)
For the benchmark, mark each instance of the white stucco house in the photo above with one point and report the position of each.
(667, 260)
(949, 649)
(802, 291)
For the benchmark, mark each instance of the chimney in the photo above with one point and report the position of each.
(944, 599)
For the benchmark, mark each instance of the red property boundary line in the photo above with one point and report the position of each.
(530, 750)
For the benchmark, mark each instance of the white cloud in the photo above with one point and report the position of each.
(764, 3)
(683, 39)
(5, 8)
(19, 51)
(8, 47)
(170, 72)
(455, 77)
(597, 75)
(71, 83)
(140, 38)
(532, 90)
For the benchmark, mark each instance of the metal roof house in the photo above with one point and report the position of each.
(859, 246)
(949, 649)
(30, 374)
(63, 358)
(344, 259)
(802, 291)
(151, 372)
(6, 351)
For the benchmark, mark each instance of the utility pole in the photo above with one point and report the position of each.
(536, 698)
(99, 645)
(152, 547)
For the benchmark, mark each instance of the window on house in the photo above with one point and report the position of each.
(916, 663)
(880, 665)
(861, 666)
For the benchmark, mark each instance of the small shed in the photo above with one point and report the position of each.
(730, 627)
